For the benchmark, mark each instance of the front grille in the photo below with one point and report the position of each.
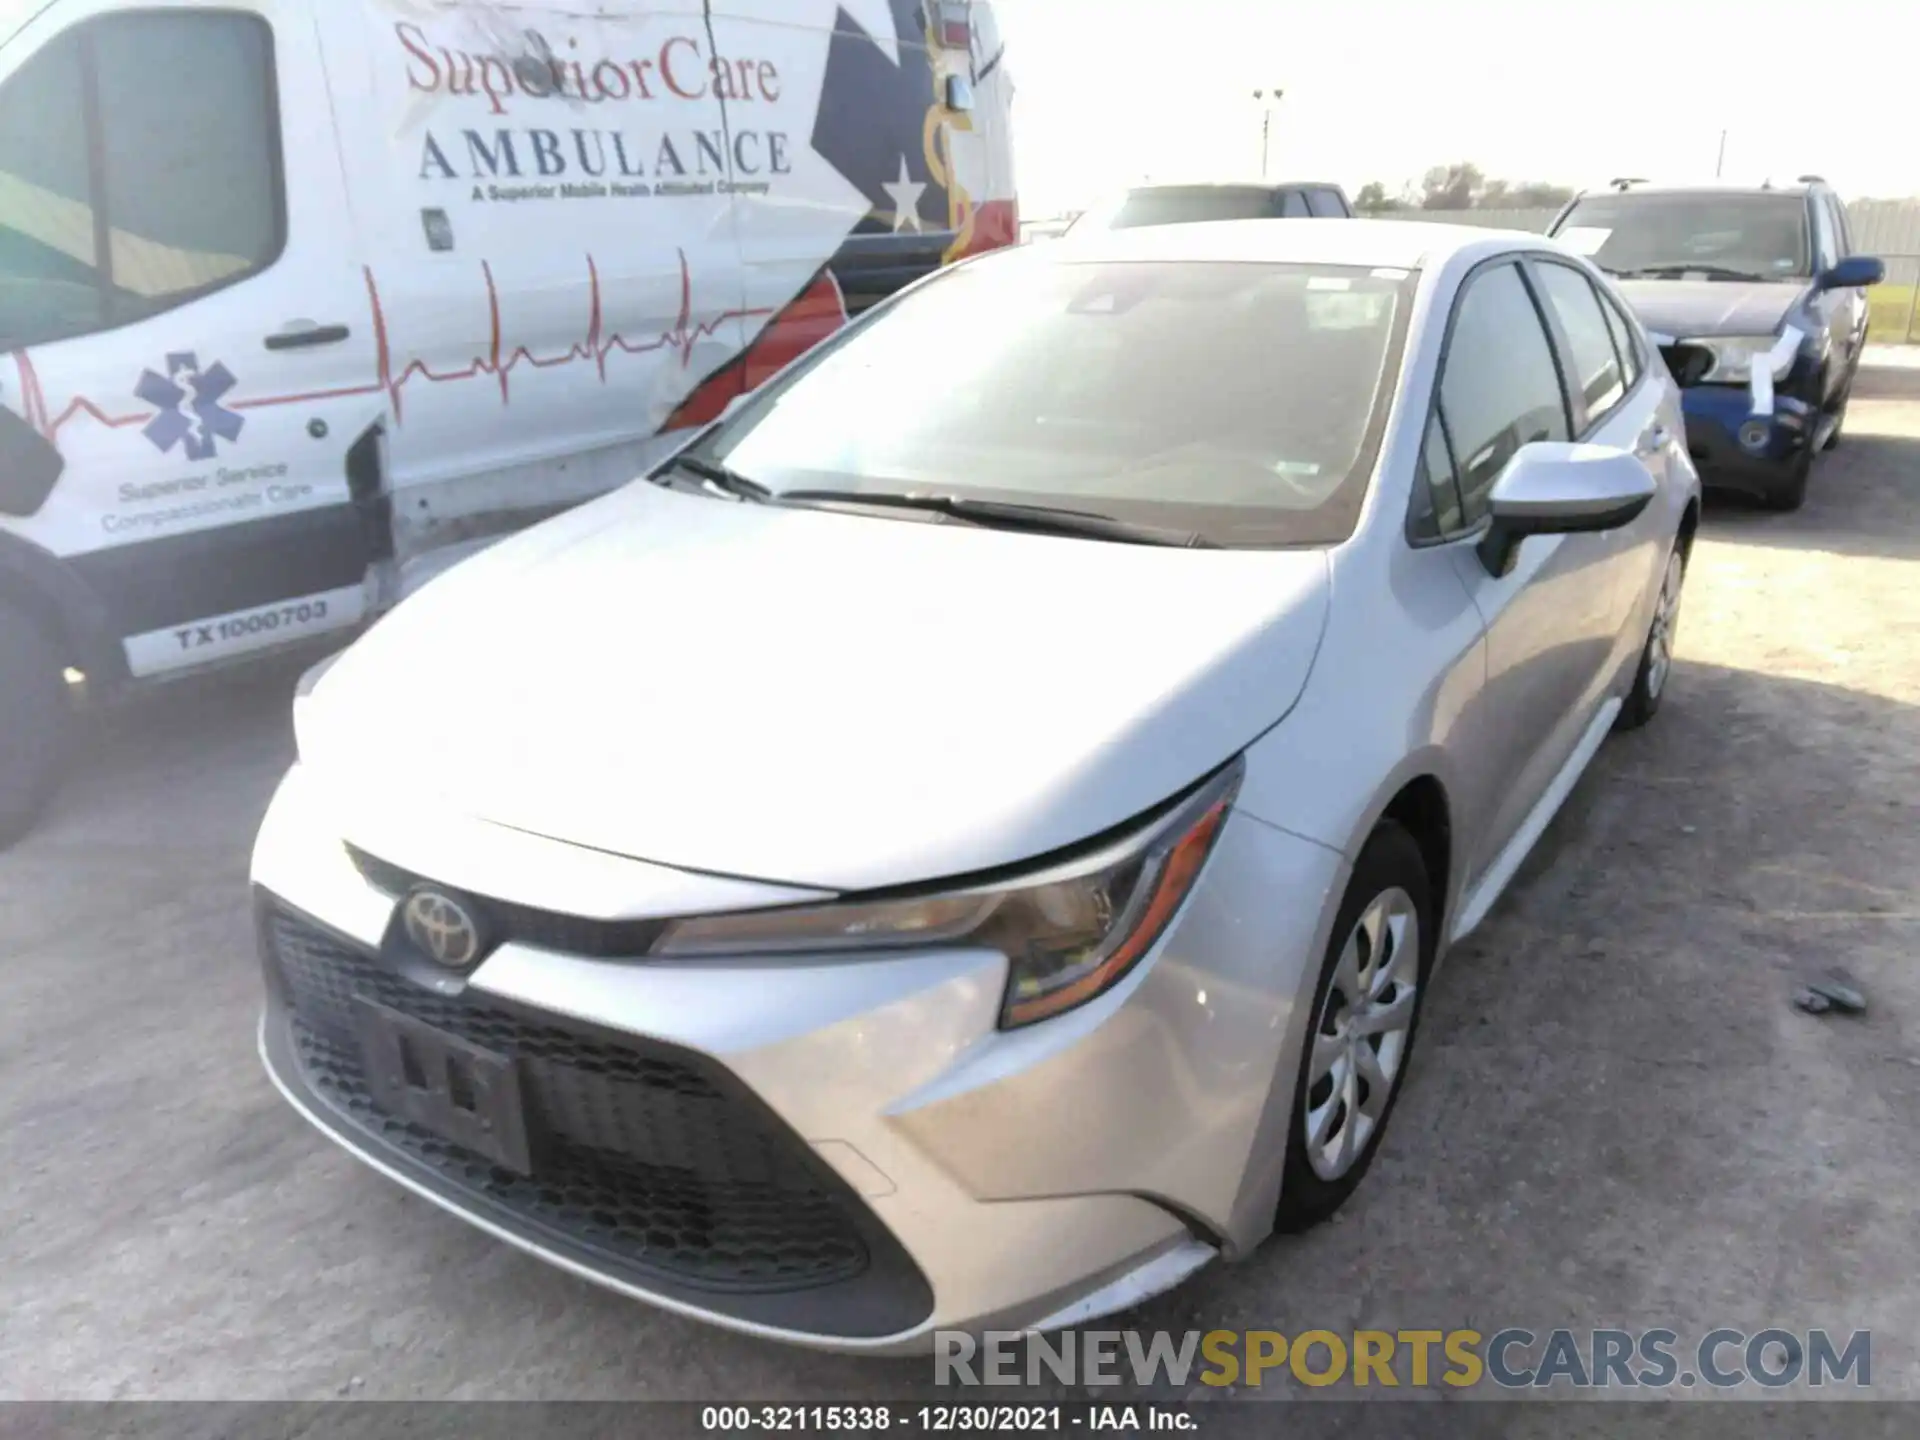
(652, 1161)
(525, 925)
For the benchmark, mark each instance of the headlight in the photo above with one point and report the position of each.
(1069, 934)
(1733, 356)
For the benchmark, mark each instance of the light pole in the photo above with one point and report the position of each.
(1266, 122)
(1720, 163)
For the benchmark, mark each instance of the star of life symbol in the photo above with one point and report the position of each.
(203, 420)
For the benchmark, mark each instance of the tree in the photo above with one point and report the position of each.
(1536, 195)
(1374, 200)
(1450, 187)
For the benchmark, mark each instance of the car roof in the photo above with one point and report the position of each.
(1398, 244)
(1709, 187)
(1176, 187)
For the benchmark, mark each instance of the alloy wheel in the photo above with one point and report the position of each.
(1666, 622)
(1360, 1036)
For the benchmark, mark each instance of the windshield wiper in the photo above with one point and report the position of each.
(1712, 272)
(722, 477)
(1007, 515)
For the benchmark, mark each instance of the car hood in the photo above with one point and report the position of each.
(1688, 308)
(825, 699)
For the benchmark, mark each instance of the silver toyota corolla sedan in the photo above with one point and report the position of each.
(968, 841)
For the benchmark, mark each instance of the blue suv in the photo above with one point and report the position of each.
(1758, 304)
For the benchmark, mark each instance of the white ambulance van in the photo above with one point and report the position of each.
(296, 292)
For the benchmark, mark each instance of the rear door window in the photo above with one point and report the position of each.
(1596, 376)
(1293, 205)
(1326, 204)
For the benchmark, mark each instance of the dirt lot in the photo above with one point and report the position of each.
(1616, 1118)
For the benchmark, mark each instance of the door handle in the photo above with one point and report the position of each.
(1653, 441)
(300, 334)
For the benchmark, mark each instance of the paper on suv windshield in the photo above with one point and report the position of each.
(1584, 239)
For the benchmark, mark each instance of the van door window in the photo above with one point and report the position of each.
(1293, 206)
(1326, 204)
(182, 193)
(49, 273)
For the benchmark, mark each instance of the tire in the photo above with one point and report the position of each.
(1656, 656)
(1839, 424)
(1390, 883)
(1790, 493)
(34, 724)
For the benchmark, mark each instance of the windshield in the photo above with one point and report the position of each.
(1241, 402)
(1759, 236)
(1184, 207)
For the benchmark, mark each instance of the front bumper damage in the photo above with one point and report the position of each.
(1749, 436)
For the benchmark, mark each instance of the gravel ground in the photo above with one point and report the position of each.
(1616, 1117)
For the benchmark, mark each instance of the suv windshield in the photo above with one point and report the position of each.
(1724, 236)
(1238, 402)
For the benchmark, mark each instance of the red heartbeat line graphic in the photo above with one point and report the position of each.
(596, 346)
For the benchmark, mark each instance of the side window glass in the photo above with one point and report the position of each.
(1623, 340)
(187, 172)
(1837, 226)
(1823, 236)
(1293, 206)
(49, 273)
(1500, 389)
(1325, 204)
(1436, 499)
(1596, 365)
(190, 152)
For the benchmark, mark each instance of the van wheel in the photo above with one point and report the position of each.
(33, 723)
(1366, 1012)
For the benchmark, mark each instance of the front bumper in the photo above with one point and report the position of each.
(843, 1152)
(1774, 443)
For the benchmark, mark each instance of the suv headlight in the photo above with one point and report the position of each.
(1069, 934)
(1734, 356)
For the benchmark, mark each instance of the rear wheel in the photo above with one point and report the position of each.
(1366, 1011)
(33, 722)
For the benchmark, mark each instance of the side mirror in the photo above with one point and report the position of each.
(959, 93)
(1853, 273)
(1552, 488)
(29, 466)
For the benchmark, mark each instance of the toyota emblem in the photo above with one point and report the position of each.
(444, 929)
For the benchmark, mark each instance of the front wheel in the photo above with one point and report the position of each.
(33, 723)
(1366, 1011)
(1656, 656)
(1789, 492)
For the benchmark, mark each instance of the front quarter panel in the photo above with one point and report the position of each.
(1399, 671)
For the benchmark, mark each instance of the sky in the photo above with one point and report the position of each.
(1108, 92)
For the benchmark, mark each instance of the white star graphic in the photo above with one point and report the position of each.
(905, 194)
